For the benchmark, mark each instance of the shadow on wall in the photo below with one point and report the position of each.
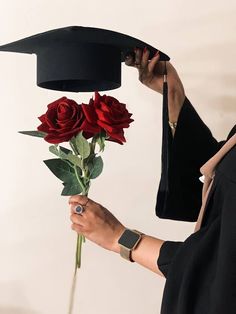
(15, 310)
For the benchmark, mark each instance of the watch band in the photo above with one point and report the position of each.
(125, 252)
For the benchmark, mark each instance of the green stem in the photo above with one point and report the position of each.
(85, 188)
(79, 180)
(93, 143)
(80, 237)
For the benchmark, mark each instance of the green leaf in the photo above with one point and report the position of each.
(75, 160)
(62, 154)
(61, 169)
(53, 149)
(65, 150)
(101, 143)
(100, 139)
(33, 133)
(90, 158)
(95, 167)
(82, 145)
(73, 145)
(71, 188)
(66, 154)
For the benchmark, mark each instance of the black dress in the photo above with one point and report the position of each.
(200, 271)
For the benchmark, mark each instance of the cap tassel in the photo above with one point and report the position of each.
(165, 131)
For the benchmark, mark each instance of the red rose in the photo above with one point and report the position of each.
(63, 120)
(108, 113)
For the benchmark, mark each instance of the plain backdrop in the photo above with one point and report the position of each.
(37, 244)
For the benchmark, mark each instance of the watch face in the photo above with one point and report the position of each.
(129, 239)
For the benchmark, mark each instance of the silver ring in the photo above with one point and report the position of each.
(79, 209)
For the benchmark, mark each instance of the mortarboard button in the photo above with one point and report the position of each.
(78, 58)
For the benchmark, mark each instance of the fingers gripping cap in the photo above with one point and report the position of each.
(79, 59)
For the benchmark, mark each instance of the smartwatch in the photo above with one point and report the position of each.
(128, 242)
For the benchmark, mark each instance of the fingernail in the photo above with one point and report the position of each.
(157, 52)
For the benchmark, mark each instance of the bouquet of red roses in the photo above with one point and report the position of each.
(104, 118)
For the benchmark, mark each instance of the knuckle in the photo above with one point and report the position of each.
(75, 218)
(76, 198)
(128, 58)
(81, 197)
(140, 78)
(70, 201)
(76, 228)
(72, 218)
(73, 227)
(72, 208)
(89, 213)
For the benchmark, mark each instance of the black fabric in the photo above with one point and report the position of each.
(200, 271)
(179, 192)
(166, 255)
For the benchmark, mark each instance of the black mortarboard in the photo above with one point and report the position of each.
(78, 58)
(84, 59)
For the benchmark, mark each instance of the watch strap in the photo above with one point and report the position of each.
(125, 253)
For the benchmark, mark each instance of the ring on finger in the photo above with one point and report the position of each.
(79, 209)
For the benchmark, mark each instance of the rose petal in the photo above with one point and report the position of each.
(43, 128)
(90, 113)
(42, 118)
(106, 126)
(119, 136)
(114, 140)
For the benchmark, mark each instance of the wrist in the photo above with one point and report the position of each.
(128, 242)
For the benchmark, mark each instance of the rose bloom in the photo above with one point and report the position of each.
(63, 120)
(108, 113)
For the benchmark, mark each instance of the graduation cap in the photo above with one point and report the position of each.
(78, 58)
(83, 59)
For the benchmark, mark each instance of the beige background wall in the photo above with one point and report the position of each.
(36, 243)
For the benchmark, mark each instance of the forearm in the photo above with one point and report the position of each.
(175, 103)
(146, 253)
